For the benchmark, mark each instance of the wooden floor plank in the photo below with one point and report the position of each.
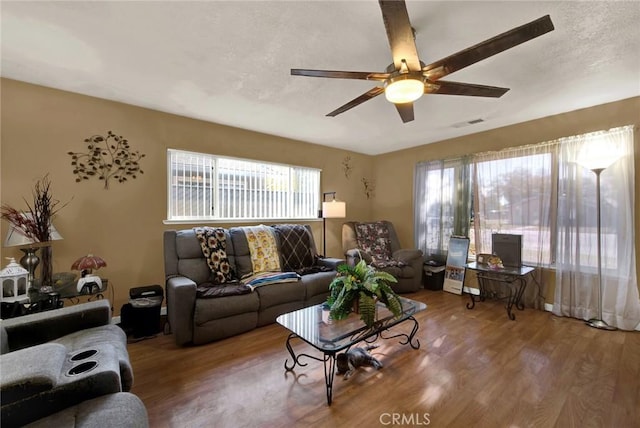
(474, 368)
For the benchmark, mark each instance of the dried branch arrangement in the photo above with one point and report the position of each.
(35, 221)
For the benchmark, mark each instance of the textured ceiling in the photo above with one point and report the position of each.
(229, 62)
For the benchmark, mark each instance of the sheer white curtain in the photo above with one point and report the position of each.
(442, 195)
(514, 193)
(576, 293)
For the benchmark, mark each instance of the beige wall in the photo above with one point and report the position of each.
(124, 224)
(393, 172)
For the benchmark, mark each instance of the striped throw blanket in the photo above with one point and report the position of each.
(266, 278)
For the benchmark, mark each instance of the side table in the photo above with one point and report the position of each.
(72, 294)
(66, 283)
(514, 279)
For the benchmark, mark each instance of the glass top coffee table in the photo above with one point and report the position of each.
(313, 326)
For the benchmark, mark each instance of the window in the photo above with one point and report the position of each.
(537, 191)
(443, 203)
(209, 187)
(515, 191)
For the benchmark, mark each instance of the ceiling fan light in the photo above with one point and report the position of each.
(403, 89)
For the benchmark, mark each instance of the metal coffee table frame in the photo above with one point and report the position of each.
(311, 325)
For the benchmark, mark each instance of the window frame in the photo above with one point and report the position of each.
(512, 154)
(214, 183)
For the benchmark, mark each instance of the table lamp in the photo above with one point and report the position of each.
(17, 238)
(88, 283)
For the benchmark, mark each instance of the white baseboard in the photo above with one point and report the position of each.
(471, 290)
(547, 306)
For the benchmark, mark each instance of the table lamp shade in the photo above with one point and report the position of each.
(88, 262)
(16, 237)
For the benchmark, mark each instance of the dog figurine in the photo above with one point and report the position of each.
(348, 362)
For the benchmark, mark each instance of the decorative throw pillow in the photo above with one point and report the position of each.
(373, 238)
(213, 242)
(295, 247)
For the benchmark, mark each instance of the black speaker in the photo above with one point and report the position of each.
(508, 247)
(141, 316)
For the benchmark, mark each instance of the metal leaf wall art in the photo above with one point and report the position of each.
(347, 166)
(369, 187)
(107, 158)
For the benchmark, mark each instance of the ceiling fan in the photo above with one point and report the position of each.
(408, 78)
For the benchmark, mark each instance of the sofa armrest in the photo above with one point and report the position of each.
(42, 327)
(122, 409)
(30, 371)
(72, 384)
(408, 256)
(181, 303)
(330, 262)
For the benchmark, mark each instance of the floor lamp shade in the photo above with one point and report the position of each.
(334, 209)
(597, 155)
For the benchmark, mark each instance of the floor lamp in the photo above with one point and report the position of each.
(332, 209)
(597, 161)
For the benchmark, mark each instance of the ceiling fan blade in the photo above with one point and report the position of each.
(455, 88)
(357, 101)
(488, 48)
(363, 75)
(406, 111)
(400, 34)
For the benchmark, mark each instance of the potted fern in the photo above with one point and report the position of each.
(361, 286)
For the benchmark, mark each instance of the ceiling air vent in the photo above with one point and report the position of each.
(470, 122)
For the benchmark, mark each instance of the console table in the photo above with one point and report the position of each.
(313, 325)
(73, 295)
(513, 278)
(54, 299)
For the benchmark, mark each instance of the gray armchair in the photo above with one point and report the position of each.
(377, 243)
(57, 359)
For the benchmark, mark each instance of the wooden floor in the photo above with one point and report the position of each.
(474, 368)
